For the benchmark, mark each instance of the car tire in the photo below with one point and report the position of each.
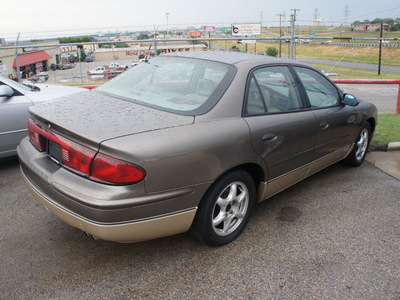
(225, 209)
(359, 152)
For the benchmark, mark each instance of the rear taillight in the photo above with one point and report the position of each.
(34, 135)
(72, 155)
(76, 157)
(82, 160)
(111, 170)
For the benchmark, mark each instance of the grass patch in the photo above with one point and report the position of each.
(361, 54)
(388, 129)
(353, 73)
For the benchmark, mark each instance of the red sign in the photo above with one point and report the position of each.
(209, 29)
(195, 33)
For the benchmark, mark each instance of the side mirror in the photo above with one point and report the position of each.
(6, 91)
(350, 100)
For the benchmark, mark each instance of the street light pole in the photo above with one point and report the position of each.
(292, 20)
(17, 59)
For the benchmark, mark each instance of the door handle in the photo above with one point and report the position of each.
(323, 125)
(269, 137)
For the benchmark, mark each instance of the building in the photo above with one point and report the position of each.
(32, 59)
(371, 27)
(107, 54)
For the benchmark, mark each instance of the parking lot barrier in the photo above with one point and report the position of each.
(373, 81)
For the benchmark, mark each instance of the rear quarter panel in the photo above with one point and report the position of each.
(186, 155)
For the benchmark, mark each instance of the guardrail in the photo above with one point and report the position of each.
(372, 81)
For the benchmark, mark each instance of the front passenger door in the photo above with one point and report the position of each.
(335, 121)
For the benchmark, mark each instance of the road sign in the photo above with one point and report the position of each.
(246, 29)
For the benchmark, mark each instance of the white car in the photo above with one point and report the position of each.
(118, 66)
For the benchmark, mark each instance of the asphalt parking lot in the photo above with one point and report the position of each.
(334, 235)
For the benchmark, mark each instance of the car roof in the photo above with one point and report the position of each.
(233, 58)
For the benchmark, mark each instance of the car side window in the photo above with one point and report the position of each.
(255, 104)
(272, 90)
(320, 91)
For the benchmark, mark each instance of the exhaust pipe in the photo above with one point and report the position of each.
(92, 237)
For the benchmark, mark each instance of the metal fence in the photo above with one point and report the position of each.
(97, 62)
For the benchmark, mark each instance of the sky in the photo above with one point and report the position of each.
(52, 18)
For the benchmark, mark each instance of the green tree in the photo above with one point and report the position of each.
(143, 36)
(395, 27)
(83, 54)
(377, 20)
(389, 21)
(121, 45)
(71, 40)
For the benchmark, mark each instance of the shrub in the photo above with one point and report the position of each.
(272, 51)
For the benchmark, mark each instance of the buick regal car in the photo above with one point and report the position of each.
(15, 98)
(188, 142)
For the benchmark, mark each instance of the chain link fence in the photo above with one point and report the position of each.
(96, 62)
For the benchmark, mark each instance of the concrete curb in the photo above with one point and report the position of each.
(389, 162)
(394, 146)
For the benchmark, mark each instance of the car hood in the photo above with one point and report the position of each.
(93, 117)
(49, 92)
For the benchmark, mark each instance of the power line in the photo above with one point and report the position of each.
(378, 12)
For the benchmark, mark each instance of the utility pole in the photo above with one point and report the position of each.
(166, 15)
(380, 50)
(17, 60)
(292, 20)
(155, 42)
(280, 34)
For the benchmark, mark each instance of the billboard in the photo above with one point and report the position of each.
(195, 33)
(246, 29)
(209, 29)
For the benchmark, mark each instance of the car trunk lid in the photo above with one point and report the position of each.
(92, 118)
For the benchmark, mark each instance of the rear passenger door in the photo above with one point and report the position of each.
(282, 127)
(335, 121)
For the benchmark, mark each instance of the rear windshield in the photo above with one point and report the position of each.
(183, 85)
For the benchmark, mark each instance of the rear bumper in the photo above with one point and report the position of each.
(126, 232)
(113, 213)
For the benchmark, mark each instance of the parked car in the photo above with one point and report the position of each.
(15, 99)
(189, 142)
(103, 72)
(136, 62)
(88, 59)
(98, 71)
(118, 66)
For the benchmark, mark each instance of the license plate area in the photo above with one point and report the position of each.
(54, 151)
